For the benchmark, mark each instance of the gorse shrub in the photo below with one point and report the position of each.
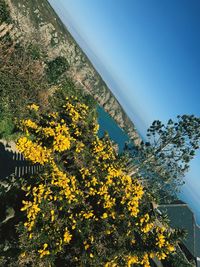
(82, 209)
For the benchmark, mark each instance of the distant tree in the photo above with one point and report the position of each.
(165, 158)
(55, 68)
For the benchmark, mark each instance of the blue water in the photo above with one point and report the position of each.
(107, 124)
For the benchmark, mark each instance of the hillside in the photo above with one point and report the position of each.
(36, 22)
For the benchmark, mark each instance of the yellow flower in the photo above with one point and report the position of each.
(67, 236)
(88, 215)
(96, 128)
(23, 255)
(62, 138)
(148, 227)
(52, 216)
(33, 107)
(86, 245)
(145, 260)
(104, 216)
(110, 264)
(160, 240)
(152, 255)
(30, 124)
(45, 245)
(43, 252)
(33, 151)
(132, 260)
(171, 248)
(48, 131)
(79, 147)
(161, 255)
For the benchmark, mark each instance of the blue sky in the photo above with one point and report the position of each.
(148, 52)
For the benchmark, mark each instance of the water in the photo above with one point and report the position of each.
(107, 124)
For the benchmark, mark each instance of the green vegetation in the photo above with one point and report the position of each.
(21, 83)
(66, 89)
(55, 68)
(82, 222)
(35, 52)
(7, 126)
(164, 159)
(82, 208)
(4, 12)
(178, 259)
(24, 80)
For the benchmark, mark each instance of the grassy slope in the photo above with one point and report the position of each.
(39, 13)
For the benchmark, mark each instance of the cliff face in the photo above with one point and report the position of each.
(36, 22)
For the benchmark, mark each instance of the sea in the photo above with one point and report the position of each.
(108, 124)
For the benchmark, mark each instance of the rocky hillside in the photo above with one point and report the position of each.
(36, 22)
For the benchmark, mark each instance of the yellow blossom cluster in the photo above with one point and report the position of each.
(95, 128)
(83, 195)
(33, 151)
(62, 138)
(160, 237)
(77, 113)
(133, 194)
(133, 259)
(30, 124)
(110, 264)
(146, 226)
(48, 131)
(79, 147)
(36, 151)
(103, 150)
(43, 252)
(33, 107)
(32, 207)
(163, 243)
(65, 183)
(67, 236)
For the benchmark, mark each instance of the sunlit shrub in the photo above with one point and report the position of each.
(82, 209)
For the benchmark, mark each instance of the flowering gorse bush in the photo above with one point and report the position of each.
(82, 209)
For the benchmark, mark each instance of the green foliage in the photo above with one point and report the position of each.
(67, 89)
(35, 52)
(6, 127)
(93, 242)
(4, 12)
(13, 102)
(10, 198)
(55, 68)
(164, 159)
(21, 83)
(81, 208)
(178, 259)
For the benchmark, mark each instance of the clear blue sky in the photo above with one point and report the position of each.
(148, 52)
